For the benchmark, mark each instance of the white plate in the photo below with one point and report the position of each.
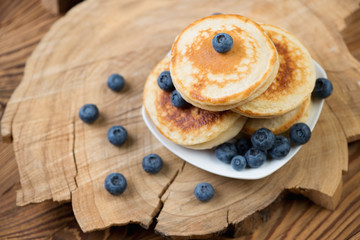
(206, 160)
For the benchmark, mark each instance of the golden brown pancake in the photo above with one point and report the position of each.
(191, 127)
(281, 123)
(220, 81)
(294, 82)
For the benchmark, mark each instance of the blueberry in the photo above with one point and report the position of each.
(116, 82)
(242, 145)
(281, 148)
(115, 183)
(204, 191)
(177, 100)
(300, 133)
(117, 135)
(216, 13)
(323, 88)
(152, 163)
(255, 157)
(89, 113)
(222, 42)
(263, 139)
(165, 82)
(225, 152)
(238, 162)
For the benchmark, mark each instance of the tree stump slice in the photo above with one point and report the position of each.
(63, 159)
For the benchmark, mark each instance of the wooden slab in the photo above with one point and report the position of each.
(70, 67)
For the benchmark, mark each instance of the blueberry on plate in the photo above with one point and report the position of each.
(222, 42)
(165, 82)
(323, 88)
(238, 162)
(263, 139)
(117, 135)
(204, 191)
(242, 145)
(177, 100)
(281, 147)
(116, 82)
(115, 183)
(300, 133)
(216, 13)
(152, 163)
(89, 113)
(255, 157)
(225, 152)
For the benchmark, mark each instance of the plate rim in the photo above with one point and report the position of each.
(237, 174)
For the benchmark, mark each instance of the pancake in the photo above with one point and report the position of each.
(220, 81)
(281, 123)
(190, 127)
(293, 84)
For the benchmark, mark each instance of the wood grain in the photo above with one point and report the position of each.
(293, 216)
(313, 172)
(351, 35)
(346, 101)
(20, 32)
(51, 5)
(277, 235)
(303, 220)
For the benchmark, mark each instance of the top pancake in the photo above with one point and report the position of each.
(219, 81)
(294, 82)
(191, 127)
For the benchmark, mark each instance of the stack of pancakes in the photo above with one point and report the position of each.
(265, 80)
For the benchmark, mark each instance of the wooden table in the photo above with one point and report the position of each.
(23, 23)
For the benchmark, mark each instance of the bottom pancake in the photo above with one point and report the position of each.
(190, 127)
(281, 123)
(223, 137)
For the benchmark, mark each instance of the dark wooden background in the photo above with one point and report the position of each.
(22, 25)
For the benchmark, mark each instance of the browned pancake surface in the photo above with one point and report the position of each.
(185, 126)
(293, 83)
(219, 81)
(185, 119)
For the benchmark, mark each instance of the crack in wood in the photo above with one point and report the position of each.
(227, 217)
(351, 138)
(162, 201)
(250, 223)
(163, 198)
(74, 157)
(337, 118)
